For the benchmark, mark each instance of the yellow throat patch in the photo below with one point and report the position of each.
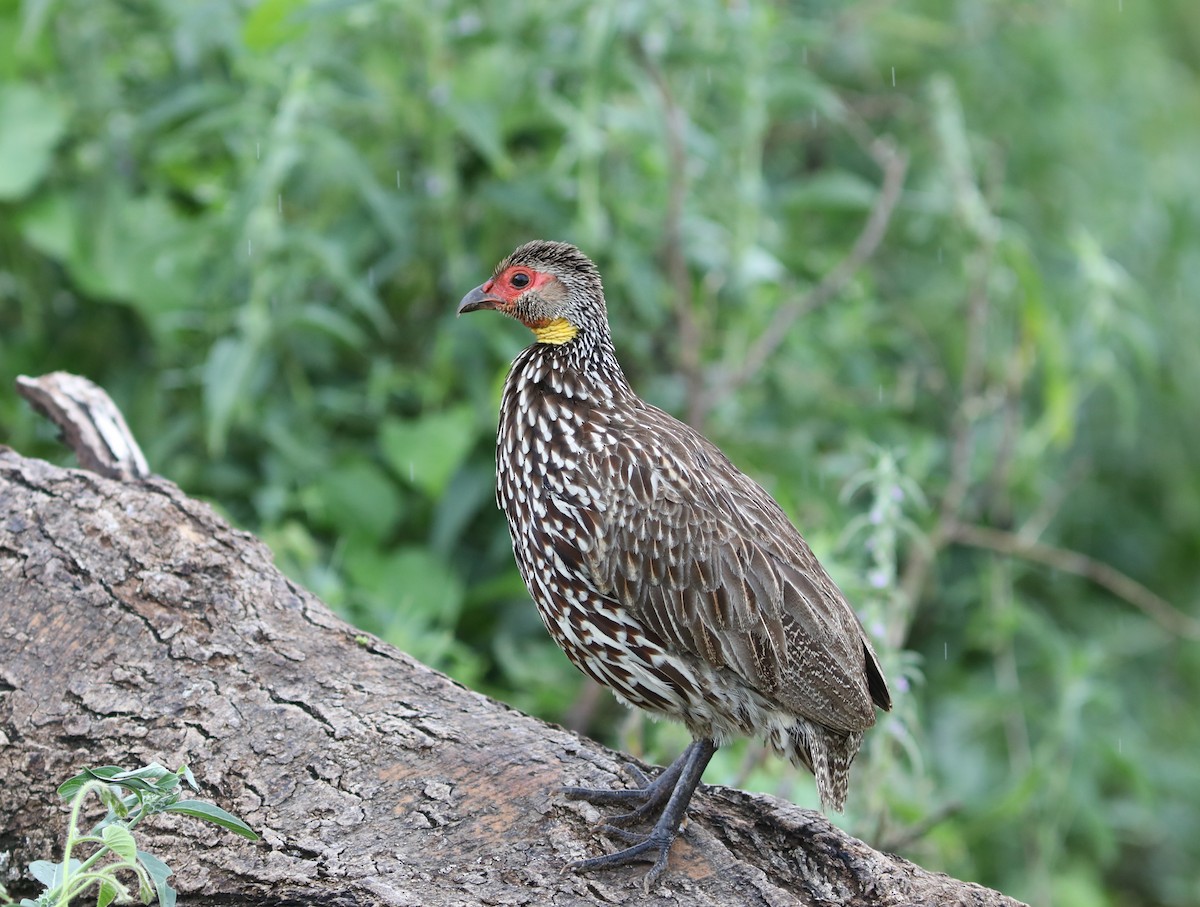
(557, 331)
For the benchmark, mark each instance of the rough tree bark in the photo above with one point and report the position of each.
(135, 624)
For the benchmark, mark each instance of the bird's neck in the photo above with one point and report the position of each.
(587, 363)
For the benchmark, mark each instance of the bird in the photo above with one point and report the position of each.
(662, 571)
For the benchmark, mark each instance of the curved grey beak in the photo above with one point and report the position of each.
(478, 299)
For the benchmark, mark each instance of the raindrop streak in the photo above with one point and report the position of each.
(893, 77)
(279, 200)
(371, 278)
(249, 248)
(945, 651)
(258, 145)
(410, 473)
(397, 179)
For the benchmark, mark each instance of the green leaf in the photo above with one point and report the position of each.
(158, 777)
(476, 108)
(428, 451)
(51, 874)
(159, 872)
(474, 490)
(186, 773)
(110, 890)
(333, 261)
(45, 872)
(271, 23)
(357, 498)
(136, 249)
(152, 771)
(419, 589)
(110, 796)
(48, 224)
(114, 774)
(333, 324)
(119, 839)
(832, 190)
(150, 779)
(33, 122)
(226, 375)
(133, 782)
(72, 785)
(210, 813)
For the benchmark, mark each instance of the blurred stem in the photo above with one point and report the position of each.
(894, 164)
(974, 214)
(747, 217)
(690, 340)
(580, 714)
(999, 505)
(1004, 668)
(756, 754)
(962, 437)
(262, 241)
(589, 141)
(1052, 501)
(902, 839)
(442, 185)
(1119, 584)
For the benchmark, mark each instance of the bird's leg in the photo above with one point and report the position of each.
(654, 794)
(657, 844)
(648, 793)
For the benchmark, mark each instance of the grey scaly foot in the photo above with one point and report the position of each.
(679, 780)
(649, 794)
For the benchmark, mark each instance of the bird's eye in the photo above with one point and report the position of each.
(520, 280)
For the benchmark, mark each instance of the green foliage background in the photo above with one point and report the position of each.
(251, 224)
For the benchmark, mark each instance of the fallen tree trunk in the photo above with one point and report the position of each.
(136, 625)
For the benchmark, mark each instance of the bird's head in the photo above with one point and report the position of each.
(550, 287)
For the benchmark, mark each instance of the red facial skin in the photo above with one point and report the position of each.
(500, 293)
(501, 285)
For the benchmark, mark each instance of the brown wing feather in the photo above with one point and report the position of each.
(705, 559)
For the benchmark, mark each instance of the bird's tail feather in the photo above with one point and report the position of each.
(827, 754)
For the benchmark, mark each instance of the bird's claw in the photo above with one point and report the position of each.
(650, 792)
(643, 847)
(604, 795)
(640, 778)
(629, 837)
(668, 794)
(643, 812)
